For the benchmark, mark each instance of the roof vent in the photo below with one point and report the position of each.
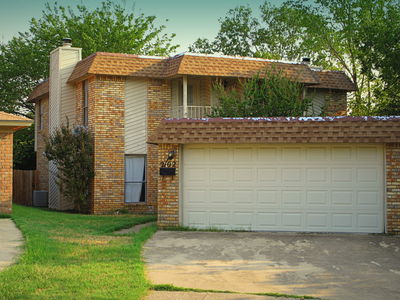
(306, 60)
(66, 42)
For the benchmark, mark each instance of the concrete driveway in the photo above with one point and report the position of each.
(330, 266)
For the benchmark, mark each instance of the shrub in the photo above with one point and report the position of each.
(72, 153)
(271, 95)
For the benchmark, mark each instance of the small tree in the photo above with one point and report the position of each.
(272, 95)
(72, 153)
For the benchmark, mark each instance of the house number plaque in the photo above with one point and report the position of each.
(168, 167)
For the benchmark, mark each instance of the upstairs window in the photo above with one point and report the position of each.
(40, 116)
(85, 92)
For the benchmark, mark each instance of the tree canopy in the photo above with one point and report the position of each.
(360, 37)
(24, 60)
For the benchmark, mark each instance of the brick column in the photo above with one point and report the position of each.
(107, 121)
(168, 189)
(393, 188)
(6, 172)
(158, 108)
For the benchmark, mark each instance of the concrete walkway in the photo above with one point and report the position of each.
(329, 266)
(158, 295)
(134, 229)
(11, 242)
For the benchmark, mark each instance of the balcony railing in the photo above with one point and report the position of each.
(195, 112)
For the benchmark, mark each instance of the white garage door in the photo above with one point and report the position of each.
(330, 188)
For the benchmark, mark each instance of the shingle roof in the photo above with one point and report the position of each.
(118, 64)
(334, 80)
(186, 64)
(11, 117)
(279, 130)
(10, 122)
(41, 90)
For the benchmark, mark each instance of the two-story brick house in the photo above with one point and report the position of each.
(122, 98)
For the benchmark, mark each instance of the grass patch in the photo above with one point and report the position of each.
(172, 288)
(5, 216)
(72, 256)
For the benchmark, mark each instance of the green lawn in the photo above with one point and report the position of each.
(71, 256)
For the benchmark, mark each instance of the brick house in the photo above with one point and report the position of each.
(8, 125)
(124, 98)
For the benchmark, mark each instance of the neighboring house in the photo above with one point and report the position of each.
(123, 99)
(8, 125)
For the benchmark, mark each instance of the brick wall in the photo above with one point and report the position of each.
(6, 171)
(393, 188)
(106, 120)
(159, 107)
(168, 190)
(42, 164)
(336, 102)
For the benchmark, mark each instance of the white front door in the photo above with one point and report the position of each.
(316, 187)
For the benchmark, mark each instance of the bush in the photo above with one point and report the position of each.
(72, 153)
(271, 95)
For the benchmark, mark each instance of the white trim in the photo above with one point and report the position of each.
(180, 185)
(184, 96)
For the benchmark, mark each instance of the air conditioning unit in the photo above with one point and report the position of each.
(40, 198)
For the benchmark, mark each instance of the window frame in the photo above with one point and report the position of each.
(143, 182)
(85, 103)
(40, 116)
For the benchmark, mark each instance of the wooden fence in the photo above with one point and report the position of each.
(24, 182)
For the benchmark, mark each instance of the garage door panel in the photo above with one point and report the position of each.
(221, 176)
(292, 153)
(267, 219)
(316, 176)
(268, 198)
(292, 219)
(317, 154)
(368, 153)
(243, 197)
(243, 175)
(318, 221)
(292, 176)
(320, 188)
(342, 154)
(220, 196)
(317, 198)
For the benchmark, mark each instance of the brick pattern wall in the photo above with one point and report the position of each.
(159, 107)
(42, 164)
(106, 120)
(393, 188)
(336, 102)
(168, 190)
(6, 171)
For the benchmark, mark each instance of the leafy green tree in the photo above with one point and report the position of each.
(333, 33)
(72, 153)
(266, 95)
(24, 60)
(380, 48)
(24, 142)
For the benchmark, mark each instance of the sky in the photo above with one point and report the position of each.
(188, 19)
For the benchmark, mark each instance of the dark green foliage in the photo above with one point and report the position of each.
(360, 37)
(24, 149)
(72, 153)
(24, 60)
(270, 95)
